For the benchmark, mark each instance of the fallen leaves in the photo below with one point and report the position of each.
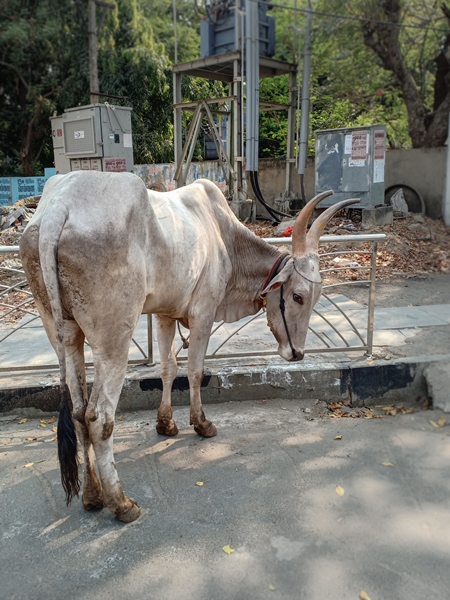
(338, 437)
(343, 409)
(28, 465)
(363, 595)
(22, 421)
(228, 550)
(199, 483)
(410, 248)
(388, 464)
(340, 490)
(439, 423)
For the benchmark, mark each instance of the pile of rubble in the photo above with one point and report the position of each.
(15, 218)
(415, 244)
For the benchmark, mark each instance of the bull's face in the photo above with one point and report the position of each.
(298, 285)
(293, 292)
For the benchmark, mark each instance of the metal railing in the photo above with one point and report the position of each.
(18, 313)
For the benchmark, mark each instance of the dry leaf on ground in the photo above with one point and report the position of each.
(440, 422)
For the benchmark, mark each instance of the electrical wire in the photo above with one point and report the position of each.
(275, 214)
(351, 18)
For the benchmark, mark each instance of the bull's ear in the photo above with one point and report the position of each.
(281, 278)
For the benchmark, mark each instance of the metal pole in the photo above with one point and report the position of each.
(304, 124)
(252, 85)
(150, 338)
(371, 307)
(94, 87)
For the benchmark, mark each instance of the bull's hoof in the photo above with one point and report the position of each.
(166, 427)
(92, 503)
(206, 429)
(130, 513)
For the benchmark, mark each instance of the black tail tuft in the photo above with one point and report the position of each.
(67, 450)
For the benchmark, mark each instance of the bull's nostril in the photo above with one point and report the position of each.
(297, 355)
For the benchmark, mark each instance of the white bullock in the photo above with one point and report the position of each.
(101, 250)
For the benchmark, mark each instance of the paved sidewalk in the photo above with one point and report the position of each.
(394, 326)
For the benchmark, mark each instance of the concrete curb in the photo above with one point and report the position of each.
(399, 380)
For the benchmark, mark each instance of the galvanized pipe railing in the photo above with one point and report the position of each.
(147, 356)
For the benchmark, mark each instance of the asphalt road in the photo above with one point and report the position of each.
(270, 493)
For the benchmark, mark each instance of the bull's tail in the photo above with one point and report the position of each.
(50, 232)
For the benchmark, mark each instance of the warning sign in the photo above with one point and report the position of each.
(379, 144)
(359, 145)
(115, 164)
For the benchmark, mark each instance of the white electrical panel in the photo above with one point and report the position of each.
(95, 137)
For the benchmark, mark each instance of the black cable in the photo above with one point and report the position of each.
(261, 200)
(275, 214)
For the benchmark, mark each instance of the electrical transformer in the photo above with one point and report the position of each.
(218, 28)
(95, 137)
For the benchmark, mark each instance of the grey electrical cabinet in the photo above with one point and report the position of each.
(95, 137)
(351, 162)
(61, 161)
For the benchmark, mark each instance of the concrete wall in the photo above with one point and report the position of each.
(163, 175)
(423, 169)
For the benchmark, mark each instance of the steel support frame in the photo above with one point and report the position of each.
(232, 73)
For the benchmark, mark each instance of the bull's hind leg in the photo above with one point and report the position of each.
(76, 380)
(165, 425)
(110, 364)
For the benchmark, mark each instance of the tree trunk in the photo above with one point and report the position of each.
(425, 128)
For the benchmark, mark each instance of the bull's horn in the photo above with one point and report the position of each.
(317, 228)
(301, 224)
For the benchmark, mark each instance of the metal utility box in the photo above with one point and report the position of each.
(351, 162)
(61, 161)
(218, 30)
(94, 137)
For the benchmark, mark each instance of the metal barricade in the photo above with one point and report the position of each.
(17, 309)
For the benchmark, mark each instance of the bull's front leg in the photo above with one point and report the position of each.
(198, 343)
(165, 425)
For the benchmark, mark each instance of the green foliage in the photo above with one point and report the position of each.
(273, 125)
(33, 38)
(44, 69)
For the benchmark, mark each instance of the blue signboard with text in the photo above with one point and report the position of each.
(17, 188)
(5, 191)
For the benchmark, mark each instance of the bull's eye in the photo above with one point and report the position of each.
(298, 298)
